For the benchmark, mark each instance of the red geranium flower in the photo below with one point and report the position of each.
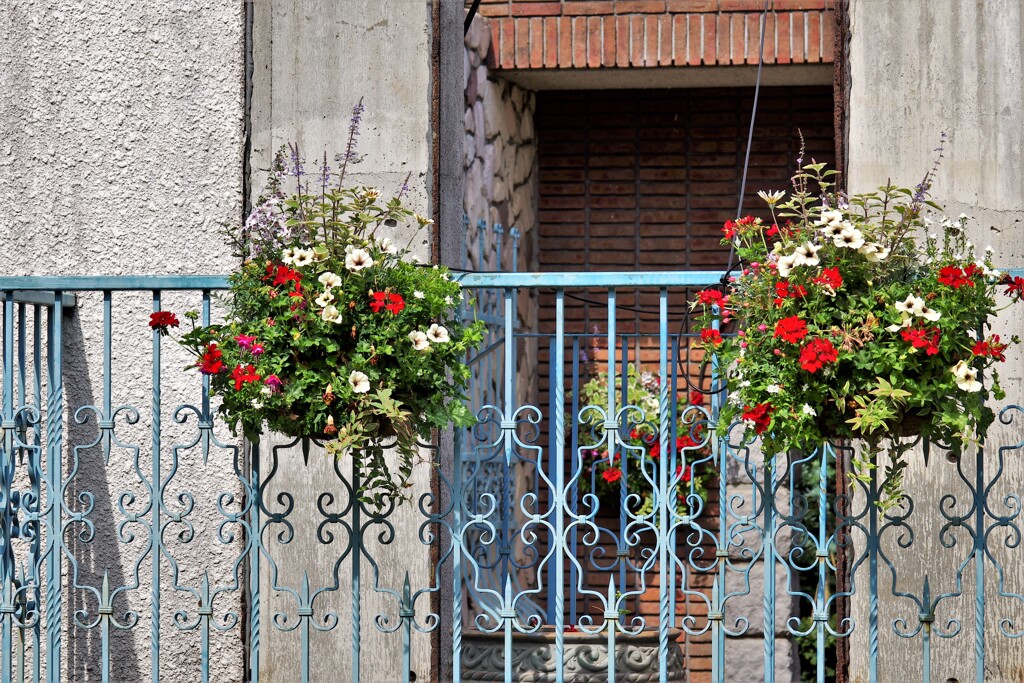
(212, 362)
(772, 231)
(711, 336)
(378, 300)
(611, 475)
(395, 304)
(729, 229)
(817, 353)
(830, 277)
(954, 277)
(1014, 286)
(760, 415)
(696, 398)
(686, 472)
(926, 338)
(242, 375)
(162, 320)
(791, 329)
(990, 347)
(711, 297)
(783, 291)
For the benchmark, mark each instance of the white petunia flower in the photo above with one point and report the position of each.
(966, 377)
(331, 314)
(771, 198)
(808, 410)
(806, 255)
(325, 298)
(438, 334)
(288, 256)
(329, 279)
(910, 306)
(303, 257)
(357, 259)
(830, 217)
(419, 340)
(418, 294)
(849, 237)
(874, 252)
(387, 245)
(359, 381)
(786, 265)
(773, 389)
(929, 314)
(349, 248)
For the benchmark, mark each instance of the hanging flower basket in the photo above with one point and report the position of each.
(858, 318)
(334, 331)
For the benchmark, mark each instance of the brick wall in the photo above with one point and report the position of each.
(545, 34)
(643, 180)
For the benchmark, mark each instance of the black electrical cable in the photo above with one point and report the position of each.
(470, 15)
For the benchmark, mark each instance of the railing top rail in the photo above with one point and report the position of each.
(560, 280)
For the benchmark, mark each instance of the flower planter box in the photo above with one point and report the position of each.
(585, 659)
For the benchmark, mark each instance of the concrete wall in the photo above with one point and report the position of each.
(917, 69)
(121, 145)
(312, 63)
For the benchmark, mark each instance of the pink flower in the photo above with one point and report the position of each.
(274, 383)
(256, 349)
(244, 341)
(762, 327)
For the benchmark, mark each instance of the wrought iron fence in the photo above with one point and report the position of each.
(141, 540)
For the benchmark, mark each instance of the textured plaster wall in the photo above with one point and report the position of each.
(918, 69)
(313, 60)
(121, 142)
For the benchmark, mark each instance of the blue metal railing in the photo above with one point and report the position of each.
(116, 520)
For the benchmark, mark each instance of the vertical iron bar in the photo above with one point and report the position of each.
(458, 500)
(872, 543)
(36, 477)
(54, 448)
(558, 456)
(577, 462)
(768, 547)
(156, 542)
(357, 540)
(979, 564)
(255, 544)
(719, 450)
(6, 468)
(663, 498)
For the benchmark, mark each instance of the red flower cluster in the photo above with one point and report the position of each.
(612, 475)
(760, 415)
(926, 338)
(696, 398)
(393, 303)
(282, 275)
(711, 297)
(830, 277)
(681, 443)
(241, 375)
(686, 472)
(1014, 286)
(954, 277)
(732, 228)
(818, 353)
(990, 347)
(711, 336)
(791, 329)
(162, 321)
(212, 362)
(784, 291)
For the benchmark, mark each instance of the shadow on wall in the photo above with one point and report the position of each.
(97, 549)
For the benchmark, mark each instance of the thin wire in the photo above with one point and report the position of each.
(750, 139)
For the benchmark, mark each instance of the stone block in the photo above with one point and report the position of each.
(744, 660)
(751, 604)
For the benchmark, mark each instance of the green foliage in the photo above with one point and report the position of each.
(855, 322)
(642, 448)
(334, 332)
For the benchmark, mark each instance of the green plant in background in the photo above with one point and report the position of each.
(604, 476)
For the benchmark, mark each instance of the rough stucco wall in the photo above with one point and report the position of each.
(313, 61)
(918, 69)
(121, 152)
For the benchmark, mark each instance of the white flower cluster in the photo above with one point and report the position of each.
(832, 225)
(911, 307)
(966, 377)
(330, 312)
(436, 334)
(296, 256)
